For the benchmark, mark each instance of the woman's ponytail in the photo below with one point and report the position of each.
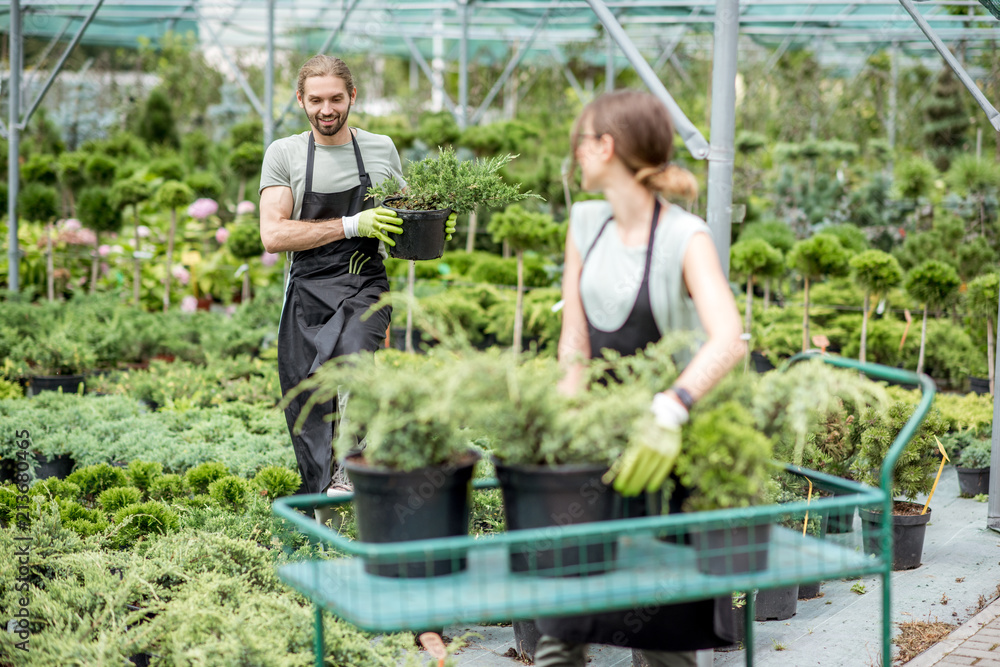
(670, 180)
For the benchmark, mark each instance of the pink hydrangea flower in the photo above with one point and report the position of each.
(189, 304)
(231, 310)
(182, 275)
(245, 208)
(86, 237)
(269, 258)
(71, 225)
(142, 231)
(221, 234)
(202, 208)
(104, 250)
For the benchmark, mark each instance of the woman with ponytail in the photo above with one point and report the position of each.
(638, 267)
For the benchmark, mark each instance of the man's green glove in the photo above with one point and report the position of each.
(649, 459)
(373, 223)
(449, 226)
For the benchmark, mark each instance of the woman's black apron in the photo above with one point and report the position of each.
(687, 626)
(329, 289)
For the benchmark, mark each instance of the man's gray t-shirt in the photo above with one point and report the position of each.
(334, 169)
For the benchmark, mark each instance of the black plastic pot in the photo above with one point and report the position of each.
(761, 363)
(543, 496)
(776, 604)
(60, 466)
(979, 385)
(973, 481)
(732, 549)
(739, 630)
(68, 384)
(809, 591)
(423, 233)
(526, 636)
(393, 506)
(907, 536)
(840, 520)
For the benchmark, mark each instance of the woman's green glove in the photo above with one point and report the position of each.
(449, 226)
(650, 457)
(373, 223)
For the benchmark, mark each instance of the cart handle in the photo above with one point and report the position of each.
(881, 372)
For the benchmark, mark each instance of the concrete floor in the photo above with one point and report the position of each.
(959, 574)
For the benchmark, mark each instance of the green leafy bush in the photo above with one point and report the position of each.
(200, 477)
(495, 270)
(230, 492)
(10, 389)
(112, 500)
(976, 455)
(94, 479)
(53, 488)
(169, 487)
(140, 520)
(275, 481)
(142, 474)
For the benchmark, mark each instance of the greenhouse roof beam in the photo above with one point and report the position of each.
(59, 65)
(242, 80)
(679, 66)
(326, 45)
(693, 140)
(672, 45)
(56, 38)
(512, 64)
(942, 48)
(560, 59)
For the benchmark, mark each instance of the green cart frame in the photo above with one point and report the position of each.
(650, 561)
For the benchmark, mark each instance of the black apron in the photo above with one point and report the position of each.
(329, 289)
(687, 626)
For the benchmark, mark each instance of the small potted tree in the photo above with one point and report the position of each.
(98, 212)
(245, 245)
(412, 480)
(436, 187)
(132, 192)
(912, 476)
(171, 195)
(876, 272)
(39, 203)
(752, 258)
(983, 294)
(821, 255)
(974, 469)
(933, 284)
(523, 230)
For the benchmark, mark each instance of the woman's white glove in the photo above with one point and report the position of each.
(649, 459)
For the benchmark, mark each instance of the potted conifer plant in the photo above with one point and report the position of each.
(912, 476)
(974, 469)
(412, 480)
(436, 187)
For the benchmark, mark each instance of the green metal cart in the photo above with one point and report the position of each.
(644, 562)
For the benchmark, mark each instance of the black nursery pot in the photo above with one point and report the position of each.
(69, 384)
(777, 604)
(423, 233)
(908, 532)
(543, 496)
(393, 506)
(59, 466)
(733, 549)
(973, 481)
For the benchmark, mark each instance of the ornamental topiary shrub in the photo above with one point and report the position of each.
(201, 476)
(142, 474)
(112, 500)
(96, 478)
(934, 284)
(275, 482)
(138, 521)
(231, 492)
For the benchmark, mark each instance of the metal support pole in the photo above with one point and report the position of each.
(13, 147)
(30, 79)
(609, 63)
(893, 101)
(269, 79)
(993, 513)
(463, 66)
(956, 67)
(676, 62)
(59, 65)
(723, 131)
(512, 64)
(695, 142)
(437, 66)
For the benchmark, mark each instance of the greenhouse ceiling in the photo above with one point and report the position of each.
(541, 29)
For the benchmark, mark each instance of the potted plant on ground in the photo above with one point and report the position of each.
(436, 187)
(912, 476)
(933, 284)
(412, 480)
(973, 469)
(55, 360)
